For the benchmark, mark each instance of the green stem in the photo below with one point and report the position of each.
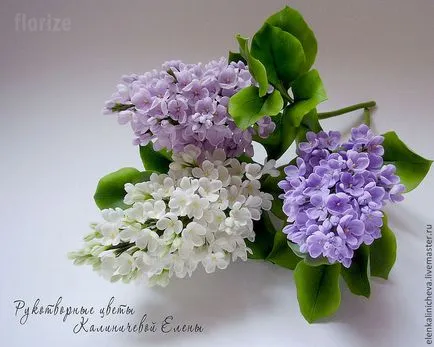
(121, 107)
(171, 73)
(367, 117)
(284, 93)
(365, 105)
(120, 248)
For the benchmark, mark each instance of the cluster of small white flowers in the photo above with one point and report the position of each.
(201, 212)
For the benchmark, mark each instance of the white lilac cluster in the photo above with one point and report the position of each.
(187, 104)
(201, 212)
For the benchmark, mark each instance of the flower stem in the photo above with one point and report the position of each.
(365, 105)
(367, 117)
(284, 93)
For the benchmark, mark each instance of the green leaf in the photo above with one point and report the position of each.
(318, 290)
(236, 57)
(286, 132)
(310, 122)
(296, 250)
(153, 160)
(255, 66)
(289, 134)
(383, 252)
(269, 183)
(246, 107)
(308, 92)
(291, 21)
(165, 153)
(264, 238)
(301, 134)
(277, 208)
(244, 158)
(281, 254)
(357, 276)
(315, 261)
(281, 54)
(306, 257)
(110, 191)
(410, 167)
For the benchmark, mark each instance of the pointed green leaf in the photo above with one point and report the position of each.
(289, 134)
(236, 57)
(383, 252)
(255, 66)
(357, 276)
(410, 167)
(291, 21)
(244, 158)
(281, 254)
(296, 250)
(264, 238)
(153, 160)
(165, 153)
(286, 133)
(308, 92)
(316, 261)
(246, 107)
(270, 184)
(306, 257)
(318, 290)
(277, 208)
(110, 191)
(281, 54)
(310, 122)
(243, 43)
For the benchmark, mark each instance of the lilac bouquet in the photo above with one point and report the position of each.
(202, 201)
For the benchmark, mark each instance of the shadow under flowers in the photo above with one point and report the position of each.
(223, 298)
(368, 319)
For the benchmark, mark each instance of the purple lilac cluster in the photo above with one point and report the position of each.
(334, 195)
(187, 104)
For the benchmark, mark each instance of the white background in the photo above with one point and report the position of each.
(55, 145)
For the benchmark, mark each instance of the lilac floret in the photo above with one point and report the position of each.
(333, 197)
(187, 104)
